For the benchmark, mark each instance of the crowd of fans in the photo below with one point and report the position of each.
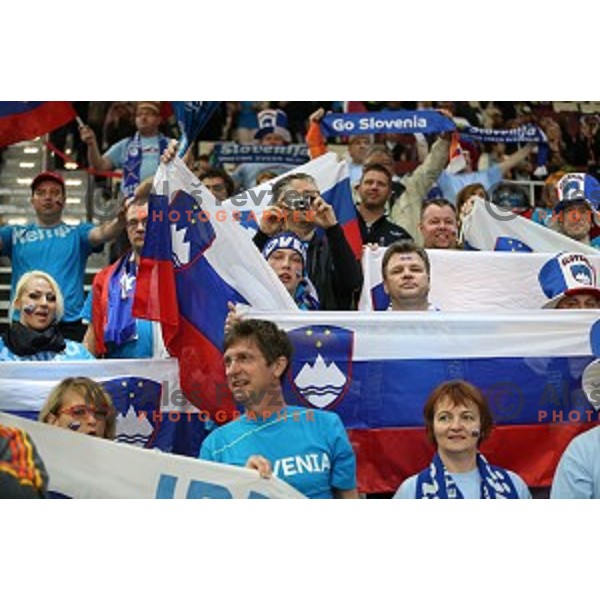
(406, 201)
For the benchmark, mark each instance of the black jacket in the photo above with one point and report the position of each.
(382, 231)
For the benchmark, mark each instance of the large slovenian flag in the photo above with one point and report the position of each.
(377, 370)
(196, 259)
(27, 120)
(465, 281)
(151, 412)
(488, 227)
(333, 180)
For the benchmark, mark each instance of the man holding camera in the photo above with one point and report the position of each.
(298, 207)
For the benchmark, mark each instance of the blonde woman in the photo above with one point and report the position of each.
(35, 335)
(82, 405)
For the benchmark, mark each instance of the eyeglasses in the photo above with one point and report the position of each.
(83, 410)
(135, 223)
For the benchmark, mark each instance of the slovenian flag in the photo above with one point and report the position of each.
(27, 120)
(377, 370)
(145, 393)
(197, 258)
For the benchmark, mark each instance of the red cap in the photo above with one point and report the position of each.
(48, 176)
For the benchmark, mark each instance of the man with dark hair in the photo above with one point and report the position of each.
(438, 225)
(53, 246)
(218, 182)
(374, 190)
(331, 266)
(307, 448)
(406, 276)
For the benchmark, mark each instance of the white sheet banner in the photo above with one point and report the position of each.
(473, 281)
(487, 228)
(81, 466)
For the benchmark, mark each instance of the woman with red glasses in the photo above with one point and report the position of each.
(82, 405)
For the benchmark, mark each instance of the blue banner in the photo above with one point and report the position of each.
(401, 121)
(294, 154)
(192, 117)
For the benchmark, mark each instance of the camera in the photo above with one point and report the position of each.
(296, 201)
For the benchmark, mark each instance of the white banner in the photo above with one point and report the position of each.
(474, 281)
(490, 228)
(81, 466)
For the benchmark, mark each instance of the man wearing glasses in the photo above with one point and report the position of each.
(112, 331)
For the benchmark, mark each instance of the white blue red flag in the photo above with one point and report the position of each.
(27, 120)
(151, 411)
(377, 370)
(196, 259)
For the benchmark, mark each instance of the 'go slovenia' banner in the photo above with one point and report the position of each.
(81, 466)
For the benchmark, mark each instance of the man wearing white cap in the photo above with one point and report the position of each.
(569, 281)
(574, 215)
(272, 131)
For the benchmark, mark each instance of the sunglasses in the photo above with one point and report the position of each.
(83, 410)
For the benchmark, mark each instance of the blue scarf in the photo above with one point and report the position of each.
(522, 134)
(120, 323)
(435, 482)
(306, 296)
(292, 154)
(133, 162)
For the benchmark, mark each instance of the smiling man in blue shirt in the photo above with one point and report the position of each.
(307, 448)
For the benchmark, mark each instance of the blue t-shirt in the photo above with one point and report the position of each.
(309, 449)
(468, 483)
(61, 251)
(452, 184)
(578, 471)
(117, 154)
(140, 347)
(73, 351)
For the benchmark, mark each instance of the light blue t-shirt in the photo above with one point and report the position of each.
(61, 251)
(140, 347)
(117, 154)
(452, 184)
(245, 175)
(307, 448)
(578, 471)
(468, 483)
(73, 351)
